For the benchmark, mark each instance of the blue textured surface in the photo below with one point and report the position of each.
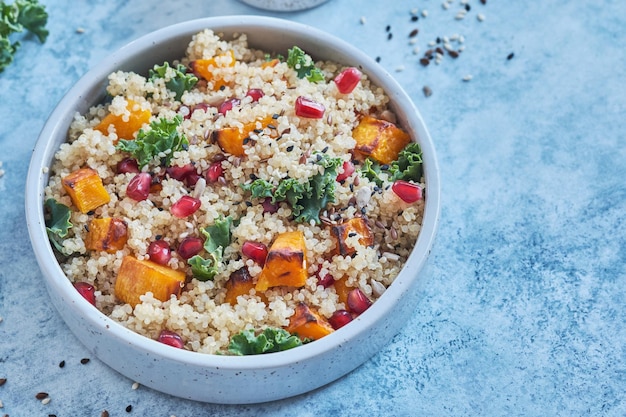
(522, 309)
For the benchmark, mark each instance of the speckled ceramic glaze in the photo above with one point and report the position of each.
(213, 378)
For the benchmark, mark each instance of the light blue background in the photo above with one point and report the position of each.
(522, 304)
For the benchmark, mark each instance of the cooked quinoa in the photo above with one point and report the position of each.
(286, 149)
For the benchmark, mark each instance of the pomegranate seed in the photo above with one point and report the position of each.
(348, 169)
(190, 246)
(255, 250)
(268, 206)
(180, 173)
(139, 186)
(128, 166)
(214, 172)
(184, 207)
(171, 338)
(408, 192)
(228, 105)
(192, 179)
(339, 319)
(200, 106)
(347, 80)
(305, 107)
(159, 252)
(357, 301)
(87, 290)
(325, 281)
(255, 94)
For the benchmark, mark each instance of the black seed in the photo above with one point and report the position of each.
(377, 59)
(468, 7)
(351, 234)
(414, 18)
(424, 61)
(91, 213)
(84, 361)
(271, 126)
(275, 116)
(105, 413)
(258, 131)
(62, 364)
(384, 167)
(129, 408)
(222, 87)
(249, 204)
(325, 149)
(41, 395)
(389, 36)
(388, 28)
(253, 177)
(158, 237)
(427, 91)
(438, 39)
(289, 148)
(3, 381)
(86, 228)
(246, 141)
(510, 56)
(413, 33)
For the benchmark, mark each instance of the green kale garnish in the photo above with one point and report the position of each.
(14, 18)
(306, 199)
(217, 238)
(371, 170)
(57, 223)
(179, 83)
(270, 340)
(303, 64)
(161, 140)
(408, 166)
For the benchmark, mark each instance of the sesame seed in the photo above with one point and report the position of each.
(427, 91)
(80, 30)
(135, 385)
(468, 77)
(362, 20)
(400, 68)
(480, 17)
(45, 400)
(424, 13)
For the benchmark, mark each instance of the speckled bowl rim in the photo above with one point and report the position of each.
(93, 82)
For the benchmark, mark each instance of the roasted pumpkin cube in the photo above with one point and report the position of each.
(239, 283)
(125, 128)
(204, 68)
(342, 289)
(307, 323)
(355, 226)
(270, 64)
(285, 264)
(137, 277)
(379, 139)
(108, 234)
(231, 139)
(84, 186)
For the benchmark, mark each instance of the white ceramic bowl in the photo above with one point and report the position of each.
(215, 378)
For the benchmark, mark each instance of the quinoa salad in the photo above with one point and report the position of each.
(236, 201)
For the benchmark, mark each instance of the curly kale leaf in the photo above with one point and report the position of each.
(217, 238)
(270, 340)
(161, 140)
(408, 166)
(372, 170)
(303, 64)
(180, 82)
(14, 18)
(57, 223)
(259, 188)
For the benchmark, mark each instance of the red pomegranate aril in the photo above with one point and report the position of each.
(305, 107)
(268, 206)
(180, 173)
(228, 105)
(214, 172)
(139, 186)
(255, 250)
(357, 301)
(184, 207)
(171, 338)
(192, 179)
(326, 280)
(255, 94)
(347, 80)
(348, 169)
(407, 191)
(128, 166)
(159, 252)
(339, 319)
(190, 247)
(87, 290)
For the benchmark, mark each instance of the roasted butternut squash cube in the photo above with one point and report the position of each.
(107, 234)
(137, 277)
(231, 139)
(307, 323)
(84, 186)
(204, 68)
(239, 283)
(342, 289)
(379, 139)
(285, 264)
(355, 226)
(125, 128)
(270, 64)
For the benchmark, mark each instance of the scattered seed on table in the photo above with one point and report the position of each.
(41, 395)
(135, 385)
(62, 364)
(480, 17)
(414, 18)
(510, 56)
(413, 33)
(362, 20)
(427, 91)
(45, 400)
(129, 408)
(1, 405)
(105, 413)
(3, 381)
(84, 361)
(468, 77)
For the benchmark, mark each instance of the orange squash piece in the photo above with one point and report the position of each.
(84, 186)
(342, 289)
(239, 283)
(285, 264)
(204, 67)
(125, 129)
(108, 234)
(307, 323)
(379, 139)
(270, 64)
(137, 277)
(231, 139)
(344, 230)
